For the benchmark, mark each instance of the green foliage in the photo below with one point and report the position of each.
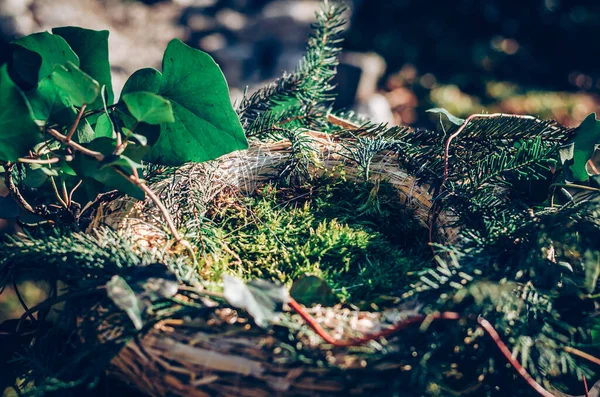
(329, 234)
(18, 131)
(523, 258)
(206, 126)
(310, 290)
(149, 108)
(91, 47)
(58, 85)
(308, 91)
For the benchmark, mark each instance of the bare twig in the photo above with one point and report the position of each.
(582, 354)
(489, 328)
(57, 194)
(73, 190)
(22, 301)
(76, 123)
(420, 319)
(61, 138)
(52, 160)
(14, 190)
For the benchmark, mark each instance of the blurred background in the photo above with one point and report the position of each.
(401, 57)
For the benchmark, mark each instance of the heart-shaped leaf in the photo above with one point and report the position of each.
(149, 107)
(50, 104)
(91, 46)
(18, 132)
(104, 127)
(206, 125)
(53, 49)
(24, 66)
(119, 291)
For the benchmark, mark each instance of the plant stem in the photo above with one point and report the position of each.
(76, 123)
(155, 199)
(453, 316)
(52, 160)
(582, 354)
(61, 138)
(133, 179)
(14, 190)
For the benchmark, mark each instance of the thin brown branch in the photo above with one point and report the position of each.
(420, 319)
(74, 189)
(62, 138)
(14, 190)
(52, 160)
(76, 123)
(582, 354)
(359, 341)
(155, 199)
(489, 328)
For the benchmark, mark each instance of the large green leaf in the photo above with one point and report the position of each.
(149, 107)
(91, 46)
(51, 104)
(206, 125)
(146, 79)
(587, 136)
(77, 85)
(18, 132)
(53, 49)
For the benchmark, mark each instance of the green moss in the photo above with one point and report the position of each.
(358, 238)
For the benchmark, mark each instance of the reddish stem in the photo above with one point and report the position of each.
(489, 328)
(76, 123)
(486, 325)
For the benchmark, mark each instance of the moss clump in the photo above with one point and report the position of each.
(357, 237)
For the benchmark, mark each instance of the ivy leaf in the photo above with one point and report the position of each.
(51, 104)
(452, 118)
(53, 49)
(147, 79)
(263, 300)
(18, 132)
(587, 136)
(91, 46)
(148, 107)
(310, 290)
(77, 85)
(206, 125)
